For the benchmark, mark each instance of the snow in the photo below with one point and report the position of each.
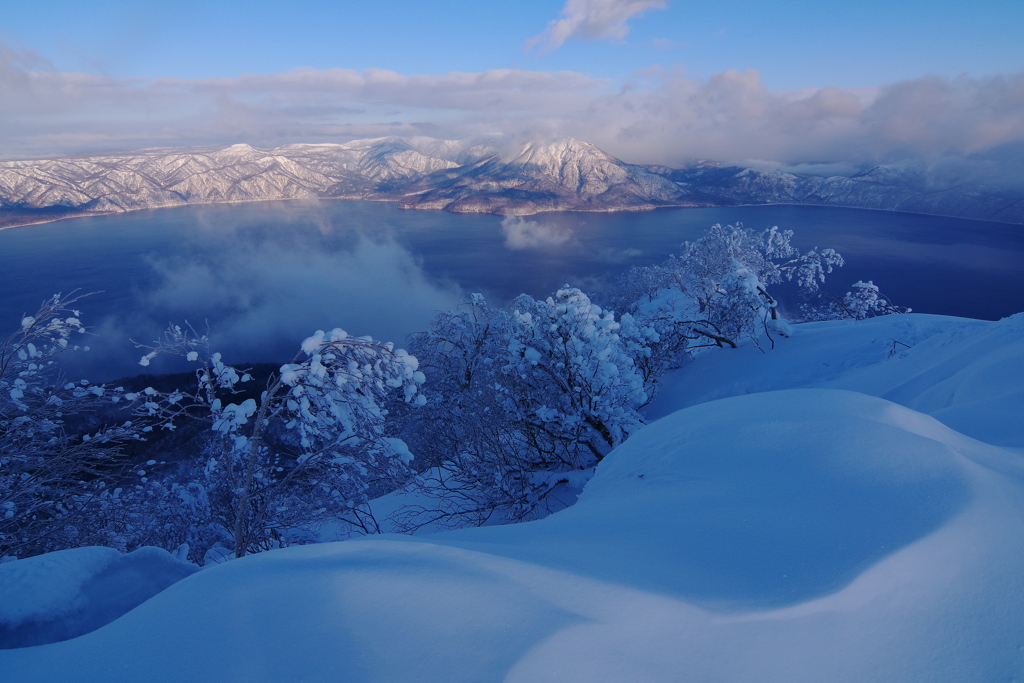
(65, 594)
(967, 373)
(826, 511)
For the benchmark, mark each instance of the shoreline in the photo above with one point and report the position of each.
(43, 220)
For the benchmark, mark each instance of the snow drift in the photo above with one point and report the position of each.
(792, 534)
(967, 373)
(61, 595)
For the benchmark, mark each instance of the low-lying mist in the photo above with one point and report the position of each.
(261, 295)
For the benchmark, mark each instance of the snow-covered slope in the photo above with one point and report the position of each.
(459, 176)
(967, 373)
(238, 173)
(887, 187)
(563, 175)
(61, 595)
(807, 514)
(420, 172)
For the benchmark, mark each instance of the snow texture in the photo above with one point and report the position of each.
(792, 534)
(464, 177)
(64, 594)
(967, 373)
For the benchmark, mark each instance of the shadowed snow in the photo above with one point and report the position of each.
(803, 534)
(895, 547)
(64, 594)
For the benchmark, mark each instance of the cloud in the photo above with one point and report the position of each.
(733, 117)
(966, 125)
(523, 234)
(46, 112)
(262, 280)
(267, 296)
(591, 20)
(665, 44)
(16, 58)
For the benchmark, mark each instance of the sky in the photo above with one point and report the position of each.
(652, 81)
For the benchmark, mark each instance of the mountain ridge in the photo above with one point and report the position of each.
(460, 177)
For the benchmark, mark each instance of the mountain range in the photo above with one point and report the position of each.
(462, 177)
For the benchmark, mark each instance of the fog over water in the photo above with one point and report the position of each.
(264, 276)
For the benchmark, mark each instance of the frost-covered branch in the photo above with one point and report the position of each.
(523, 404)
(717, 292)
(307, 448)
(51, 476)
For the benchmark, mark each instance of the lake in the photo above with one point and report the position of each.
(266, 275)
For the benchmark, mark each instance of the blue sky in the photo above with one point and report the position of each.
(794, 44)
(661, 80)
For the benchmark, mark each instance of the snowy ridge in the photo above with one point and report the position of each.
(808, 515)
(420, 172)
(887, 188)
(458, 176)
(556, 176)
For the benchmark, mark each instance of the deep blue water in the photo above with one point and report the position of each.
(264, 276)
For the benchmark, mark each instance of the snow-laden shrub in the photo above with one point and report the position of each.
(715, 292)
(522, 404)
(52, 477)
(309, 448)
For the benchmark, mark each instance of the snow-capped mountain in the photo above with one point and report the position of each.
(566, 175)
(887, 187)
(458, 176)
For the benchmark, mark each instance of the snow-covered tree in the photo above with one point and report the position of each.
(52, 477)
(864, 300)
(523, 404)
(309, 448)
(715, 293)
(576, 379)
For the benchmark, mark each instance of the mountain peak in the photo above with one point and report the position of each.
(238, 150)
(470, 175)
(562, 149)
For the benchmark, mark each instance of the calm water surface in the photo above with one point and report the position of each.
(264, 276)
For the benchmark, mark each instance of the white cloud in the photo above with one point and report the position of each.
(733, 116)
(46, 112)
(262, 294)
(591, 20)
(523, 234)
(661, 116)
(265, 295)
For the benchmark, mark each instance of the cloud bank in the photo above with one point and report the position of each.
(660, 116)
(733, 116)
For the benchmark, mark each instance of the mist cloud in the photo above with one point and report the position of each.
(521, 233)
(262, 299)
